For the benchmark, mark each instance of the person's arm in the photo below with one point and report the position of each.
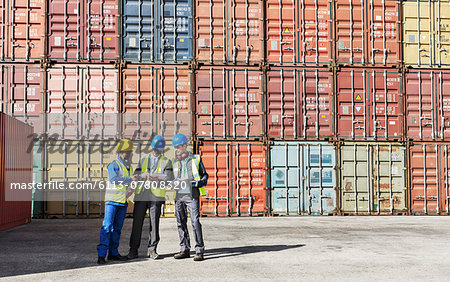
(113, 174)
(168, 172)
(203, 175)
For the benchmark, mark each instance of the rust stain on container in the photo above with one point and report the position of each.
(298, 32)
(300, 104)
(229, 103)
(81, 31)
(229, 31)
(156, 100)
(237, 183)
(367, 32)
(370, 104)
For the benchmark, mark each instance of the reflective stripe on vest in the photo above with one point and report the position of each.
(118, 193)
(195, 173)
(158, 192)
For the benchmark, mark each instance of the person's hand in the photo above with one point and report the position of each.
(151, 178)
(145, 175)
(134, 178)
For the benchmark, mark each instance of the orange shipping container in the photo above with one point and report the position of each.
(22, 28)
(237, 183)
(156, 100)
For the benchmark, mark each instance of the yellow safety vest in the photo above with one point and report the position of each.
(195, 173)
(118, 193)
(156, 191)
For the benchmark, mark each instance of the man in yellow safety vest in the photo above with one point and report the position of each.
(189, 183)
(157, 169)
(120, 188)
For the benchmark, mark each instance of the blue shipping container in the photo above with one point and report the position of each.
(157, 31)
(303, 178)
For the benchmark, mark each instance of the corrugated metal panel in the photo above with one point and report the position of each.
(156, 100)
(299, 32)
(367, 32)
(373, 178)
(229, 103)
(82, 101)
(303, 178)
(22, 94)
(22, 29)
(15, 167)
(370, 104)
(85, 30)
(429, 172)
(427, 105)
(300, 104)
(237, 183)
(230, 31)
(157, 31)
(37, 205)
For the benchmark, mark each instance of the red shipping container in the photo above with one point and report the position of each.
(22, 94)
(428, 105)
(430, 178)
(367, 32)
(237, 183)
(22, 25)
(229, 103)
(82, 101)
(299, 32)
(229, 31)
(156, 100)
(81, 31)
(16, 167)
(300, 104)
(369, 105)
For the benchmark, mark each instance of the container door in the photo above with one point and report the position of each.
(442, 31)
(140, 29)
(443, 97)
(212, 103)
(66, 29)
(102, 28)
(417, 33)
(281, 31)
(445, 179)
(319, 162)
(38, 195)
(356, 181)
(175, 31)
(4, 30)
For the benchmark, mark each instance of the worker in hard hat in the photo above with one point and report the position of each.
(190, 181)
(157, 169)
(117, 192)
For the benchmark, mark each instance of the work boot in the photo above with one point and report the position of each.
(132, 254)
(101, 260)
(182, 255)
(198, 257)
(153, 254)
(118, 257)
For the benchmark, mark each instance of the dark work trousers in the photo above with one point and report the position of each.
(140, 209)
(180, 211)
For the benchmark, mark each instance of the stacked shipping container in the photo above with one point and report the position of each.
(297, 107)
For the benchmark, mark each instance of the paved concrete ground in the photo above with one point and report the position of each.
(280, 248)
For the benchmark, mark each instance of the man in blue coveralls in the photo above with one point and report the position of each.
(120, 177)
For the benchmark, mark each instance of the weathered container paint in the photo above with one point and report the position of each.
(229, 103)
(229, 31)
(300, 104)
(427, 105)
(157, 31)
(22, 94)
(82, 100)
(373, 178)
(83, 30)
(156, 100)
(16, 166)
(367, 32)
(237, 183)
(303, 178)
(370, 104)
(429, 178)
(299, 32)
(426, 37)
(22, 30)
